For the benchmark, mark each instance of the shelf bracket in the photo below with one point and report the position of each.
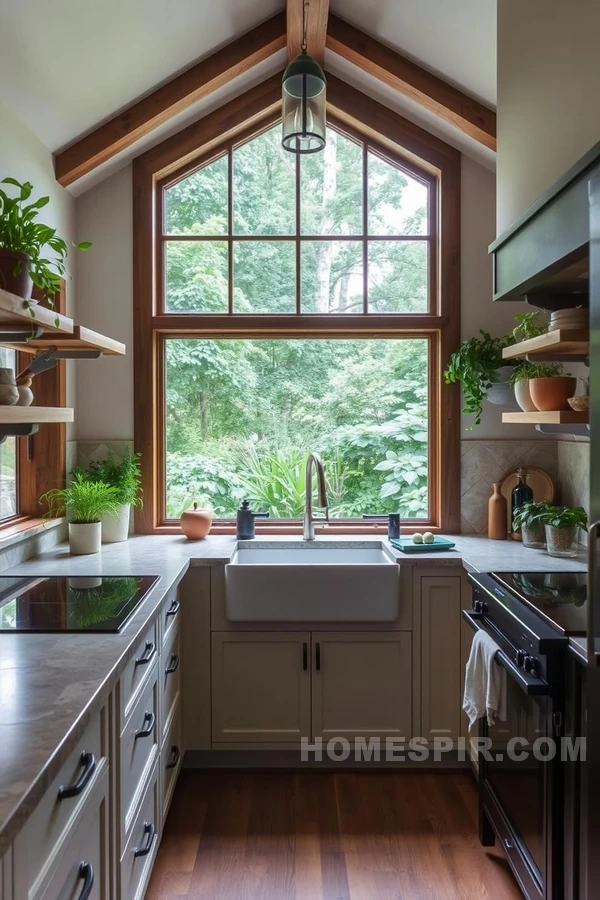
(16, 431)
(554, 301)
(15, 335)
(574, 430)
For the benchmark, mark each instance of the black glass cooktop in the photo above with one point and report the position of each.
(558, 597)
(94, 604)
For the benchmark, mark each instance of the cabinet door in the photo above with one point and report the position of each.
(260, 687)
(361, 684)
(441, 657)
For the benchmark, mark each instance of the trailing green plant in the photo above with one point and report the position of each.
(566, 517)
(21, 233)
(525, 370)
(124, 475)
(84, 501)
(475, 365)
(529, 326)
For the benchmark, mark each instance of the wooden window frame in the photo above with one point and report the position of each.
(391, 136)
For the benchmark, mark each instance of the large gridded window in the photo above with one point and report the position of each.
(258, 230)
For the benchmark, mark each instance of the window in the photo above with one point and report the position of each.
(9, 494)
(294, 304)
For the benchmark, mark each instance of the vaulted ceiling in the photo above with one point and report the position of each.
(65, 66)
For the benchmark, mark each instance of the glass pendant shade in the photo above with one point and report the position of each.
(304, 86)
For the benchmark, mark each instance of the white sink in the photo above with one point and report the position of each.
(312, 583)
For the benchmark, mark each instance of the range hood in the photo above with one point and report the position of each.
(543, 258)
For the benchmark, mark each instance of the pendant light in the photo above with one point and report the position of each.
(303, 90)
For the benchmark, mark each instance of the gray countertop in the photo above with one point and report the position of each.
(51, 684)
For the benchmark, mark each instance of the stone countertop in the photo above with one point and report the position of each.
(50, 684)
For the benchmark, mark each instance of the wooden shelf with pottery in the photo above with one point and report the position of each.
(556, 417)
(81, 340)
(14, 312)
(34, 415)
(558, 342)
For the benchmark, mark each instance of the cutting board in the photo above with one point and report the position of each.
(406, 545)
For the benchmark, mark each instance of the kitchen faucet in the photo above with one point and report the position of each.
(308, 531)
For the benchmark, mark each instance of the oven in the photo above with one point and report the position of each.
(520, 771)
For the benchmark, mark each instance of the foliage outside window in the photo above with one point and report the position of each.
(9, 493)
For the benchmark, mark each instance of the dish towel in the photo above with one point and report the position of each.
(485, 682)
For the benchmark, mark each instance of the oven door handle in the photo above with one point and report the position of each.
(530, 684)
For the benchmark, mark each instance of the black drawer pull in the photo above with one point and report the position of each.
(86, 873)
(174, 758)
(173, 665)
(150, 718)
(148, 655)
(88, 761)
(318, 657)
(174, 608)
(305, 656)
(150, 830)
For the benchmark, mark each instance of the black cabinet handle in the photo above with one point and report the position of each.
(174, 608)
(88, 761)
(305, 656)
(318, 657)
(150, 718)
(150, 830)
(148, 655)
(173, 665)
(174, 758)
(86, 873)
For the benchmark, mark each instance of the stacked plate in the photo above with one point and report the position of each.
(572, 319)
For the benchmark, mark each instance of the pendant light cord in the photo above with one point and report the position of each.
(304, 24)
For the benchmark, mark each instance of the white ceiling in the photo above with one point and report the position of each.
(66, 65)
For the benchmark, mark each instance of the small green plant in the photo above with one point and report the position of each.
(21, 233)
(475, 365)
(83, 501)
(532, 515)
(525, 370)
(528, 326)
(566, 517)
(124, 475)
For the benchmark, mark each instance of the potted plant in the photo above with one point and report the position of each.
(529, 326)
(521, 375)
(84, 502)
(125, 477)
(479, 367)
(529, 519)
(551, 393)
(562, 529)
(25, 246)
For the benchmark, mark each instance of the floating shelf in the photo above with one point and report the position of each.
(81, 341)
(14, 312)
(557, 417)
(553, 344)
(34, 415)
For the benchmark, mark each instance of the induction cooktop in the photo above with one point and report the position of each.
(81, 604)
(558, 597)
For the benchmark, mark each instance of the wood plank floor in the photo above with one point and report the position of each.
(321, 836)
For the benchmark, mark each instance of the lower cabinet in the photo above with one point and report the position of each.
(442, 663)
(138, 857)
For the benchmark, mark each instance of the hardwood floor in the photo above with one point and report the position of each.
(320, 836)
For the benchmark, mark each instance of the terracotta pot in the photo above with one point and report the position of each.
(196, 523)
(552, 393)
(523, 396)
(14, 273)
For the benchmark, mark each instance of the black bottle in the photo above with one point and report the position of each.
(521, 493)
(245, 521)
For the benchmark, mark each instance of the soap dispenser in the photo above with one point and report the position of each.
(245, 521)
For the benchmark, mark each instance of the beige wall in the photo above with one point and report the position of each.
(548, 110)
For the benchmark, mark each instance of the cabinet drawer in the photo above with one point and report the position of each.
(171, 758)
(138, 670)
(170, 614)
(139, 749)
(170, 675)
(62, 802)
(81, 862)
(138, 858)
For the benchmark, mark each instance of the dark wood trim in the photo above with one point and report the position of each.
(143, 116)
(317, 13)
(410, 79)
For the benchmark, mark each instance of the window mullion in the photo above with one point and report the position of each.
(365, 223)
(298, 242)
(230, 231)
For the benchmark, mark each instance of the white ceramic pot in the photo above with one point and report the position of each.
(116, 528)
(501, 394)
(85, 537)
(84, 584)
(523, 397)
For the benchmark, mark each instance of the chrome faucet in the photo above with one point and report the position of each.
(308, 531)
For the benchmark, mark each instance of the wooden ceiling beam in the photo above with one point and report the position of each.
(405, 76)
(317, 13)
(167, 101)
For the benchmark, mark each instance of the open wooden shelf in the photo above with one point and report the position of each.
(557, 417)
(82, 339)
(15, 312)
(34, 415)
(554, 343)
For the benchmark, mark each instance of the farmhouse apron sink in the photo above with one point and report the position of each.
(312, 583)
